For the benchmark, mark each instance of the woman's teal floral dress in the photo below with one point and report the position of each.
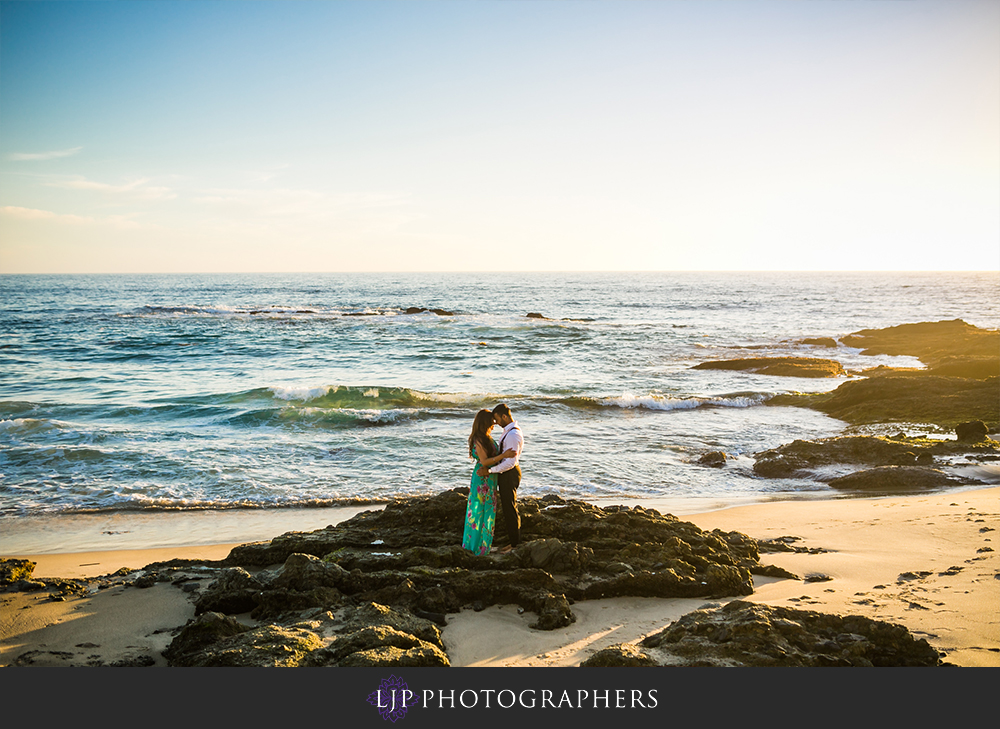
(482, 511)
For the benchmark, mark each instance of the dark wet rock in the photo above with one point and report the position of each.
(264, 646)
(748, 634)
(553, 613)
(306, 572)
(819, 341)
(375, 614)
(378, 646)
(235, 591)
(620, 655)
(716, 459)
(779, 366)
(409, 557)
(770, 570)
(147, 580)
(556, 556)
(817, 577)
(944, 401)
(402, 523)
(369, 635)
(972, 431)
(14, 570)
(977, 368)
(421, 310)
(802, 457)
(892, 479)
(199, 633)
(931, 342)
(27, 586)
(535, 315)
(960, 382)
(280, 603)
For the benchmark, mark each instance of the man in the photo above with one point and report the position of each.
(508, 473)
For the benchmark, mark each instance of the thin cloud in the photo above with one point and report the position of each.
(34, 156)
(135, 188)
(285, 202)
(117, 221)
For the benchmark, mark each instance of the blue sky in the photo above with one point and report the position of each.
(499, 135)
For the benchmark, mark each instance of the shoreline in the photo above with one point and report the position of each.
(921, 560)
(42, 537)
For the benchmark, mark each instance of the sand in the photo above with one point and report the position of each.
(926, 562)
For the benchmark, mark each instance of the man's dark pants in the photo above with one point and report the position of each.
(507, 483)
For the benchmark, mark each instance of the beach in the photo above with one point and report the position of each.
(925, 561)
(176, 453)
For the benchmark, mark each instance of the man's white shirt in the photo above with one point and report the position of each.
(511, 438)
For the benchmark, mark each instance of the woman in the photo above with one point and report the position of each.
(479, 517)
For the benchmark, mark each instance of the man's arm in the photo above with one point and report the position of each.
(508, 463)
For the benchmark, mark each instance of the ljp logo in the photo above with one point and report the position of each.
(392, 698)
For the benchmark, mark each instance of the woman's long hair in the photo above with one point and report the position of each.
(480, 426)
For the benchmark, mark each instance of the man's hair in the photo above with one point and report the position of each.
(502, 409)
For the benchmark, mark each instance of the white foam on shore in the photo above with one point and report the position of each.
(659, 402)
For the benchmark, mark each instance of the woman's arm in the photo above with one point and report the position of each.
(486, 461)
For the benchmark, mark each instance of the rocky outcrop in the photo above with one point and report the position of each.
(961, 381)
(944, 401)
(235, 591)
(15, 570)
(408, 556)
(16, 575)
(367, 635)
(807, 458)
(747, 634)
(895, 479)
(779, 366)
(931, 342)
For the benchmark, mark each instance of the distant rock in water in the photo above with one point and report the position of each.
(961, 381)
(972, 432)
(747, 634)
(948, 348)
(928, 341)
(779, 366)
(421, 310)
(536, 315)
(944, 401)
(820, 341)
(716, 459)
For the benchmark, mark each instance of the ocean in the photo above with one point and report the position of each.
(261, 395)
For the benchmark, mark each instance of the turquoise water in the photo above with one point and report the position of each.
(147, 392)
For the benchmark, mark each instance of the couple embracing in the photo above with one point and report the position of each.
(496, 473)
